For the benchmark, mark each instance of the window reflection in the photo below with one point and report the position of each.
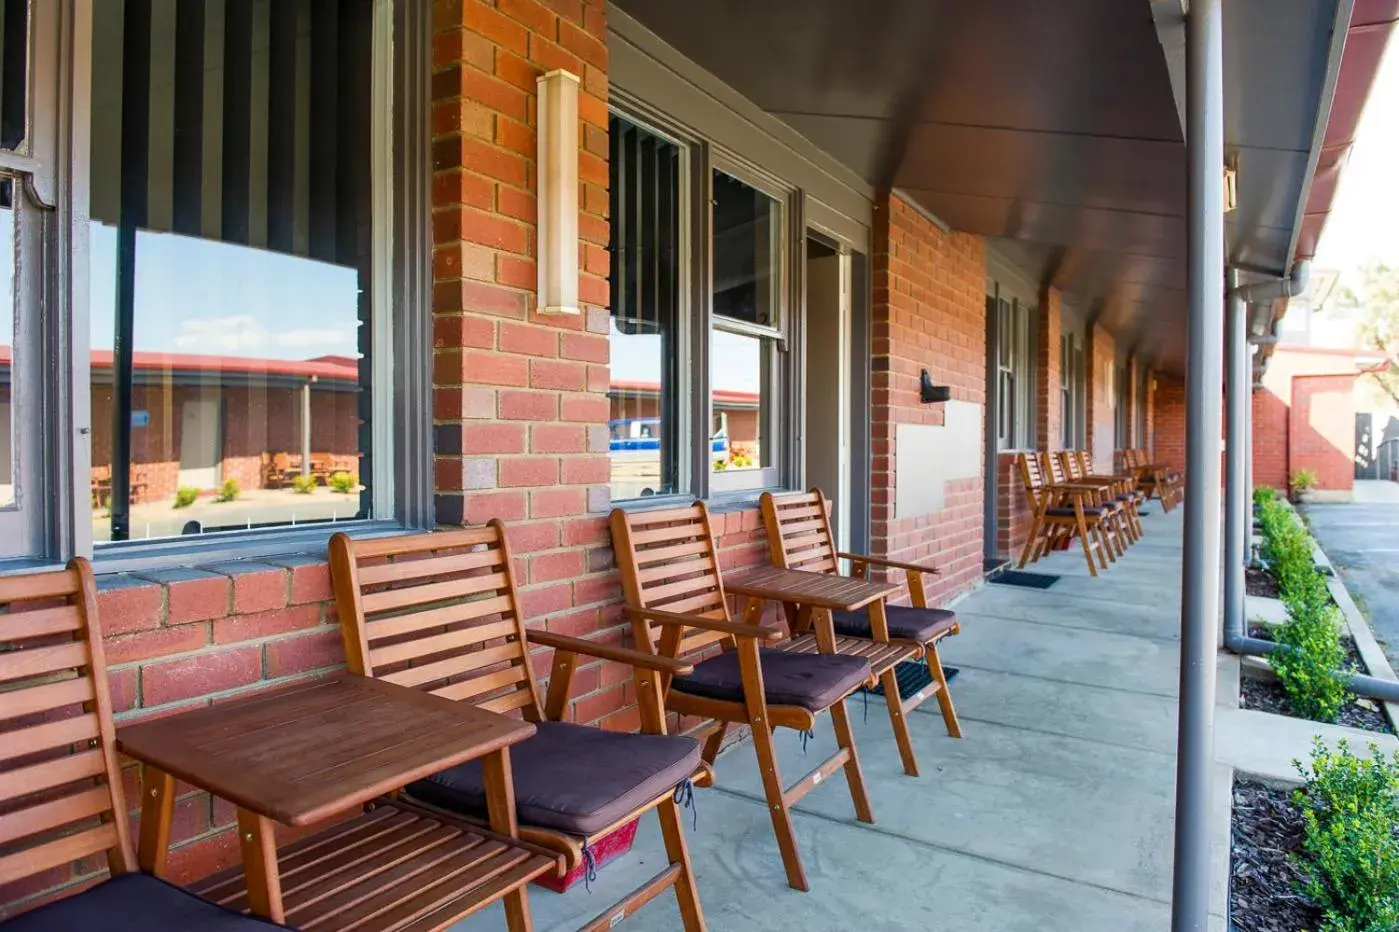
(747, 249)
(739, 404)
(7, 344)
(230, 258)
(644, 332)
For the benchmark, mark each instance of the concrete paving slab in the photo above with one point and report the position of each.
(1018, 797)
(1265, 745)
(1109, 716)
(1267, 611)
(859, 879)
(1154, 620)
(1093, 658)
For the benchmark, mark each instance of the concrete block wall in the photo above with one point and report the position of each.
(1321, 430)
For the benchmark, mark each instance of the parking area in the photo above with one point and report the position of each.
(1361, 538)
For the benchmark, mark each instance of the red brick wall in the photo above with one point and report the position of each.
(1275, 446)
(1168, 428)
(1322, 430)
(1048, 403)
(1099, 427)
(929, 312)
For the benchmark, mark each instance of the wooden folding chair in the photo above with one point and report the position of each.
(61, 794)
(1105, 504)
(440, 612)
(1058, 513)
(675, 599)
(1153, 478)
(1118, 494)
(799, 537)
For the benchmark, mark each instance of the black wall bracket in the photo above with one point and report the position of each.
(930, 393)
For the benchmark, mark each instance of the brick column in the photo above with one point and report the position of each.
(1098, 435)
(1049, 416)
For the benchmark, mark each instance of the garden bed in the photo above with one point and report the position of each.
(1269, 696)
(1267, 833)
(1259, 584)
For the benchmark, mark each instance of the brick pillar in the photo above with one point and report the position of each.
(1099, 427)
(1049, 416)
(520, 399)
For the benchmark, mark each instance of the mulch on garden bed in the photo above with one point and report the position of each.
(1266, 696)
(1263, 884)
(1258, 583)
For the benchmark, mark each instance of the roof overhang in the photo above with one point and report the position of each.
(1055, 128)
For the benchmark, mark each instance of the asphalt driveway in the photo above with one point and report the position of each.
(1362, 539)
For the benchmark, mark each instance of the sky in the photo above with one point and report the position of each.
(1364, 221)
(207, 297)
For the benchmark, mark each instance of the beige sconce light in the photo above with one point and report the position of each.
(557, 191)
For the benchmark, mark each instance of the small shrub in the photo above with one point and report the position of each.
(721, 465)
(1308, 665)
(185, 496)
(1303, 481)
(229, 491)
(1350, 809)
(1264, 494)
(343, 482)
(303, 485)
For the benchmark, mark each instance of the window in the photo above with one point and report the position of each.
(244, 307)
(647, 328)
(1071, 392)
(697, 387)
(1016, 360)
(744, 340)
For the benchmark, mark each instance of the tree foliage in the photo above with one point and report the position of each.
(1376, 293)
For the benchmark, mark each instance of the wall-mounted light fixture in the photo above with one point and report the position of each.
(557, 191)
(1231, 188)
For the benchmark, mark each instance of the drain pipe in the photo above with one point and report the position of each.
(1238, 514)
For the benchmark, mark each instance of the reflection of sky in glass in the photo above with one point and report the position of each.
(636, 357)
(208, 297)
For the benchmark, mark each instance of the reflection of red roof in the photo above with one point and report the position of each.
(653, 388)
(340, 368)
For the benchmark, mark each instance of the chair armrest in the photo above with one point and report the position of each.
(756, 632)
(625, 655)
(892, 564)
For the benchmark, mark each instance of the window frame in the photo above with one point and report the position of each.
(402, 368)
(700, 158)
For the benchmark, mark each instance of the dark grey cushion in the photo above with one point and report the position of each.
(905, 623)
(812, 681)
(573, 778)
(135, 903)
(1088, 511)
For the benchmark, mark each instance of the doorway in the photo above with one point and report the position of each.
(837, 386)
(201, 441)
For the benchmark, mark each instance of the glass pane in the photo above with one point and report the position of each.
(14, 72)
(739, 402)
(231, 256)
(747, 252)
(8, 341)
(645, 284)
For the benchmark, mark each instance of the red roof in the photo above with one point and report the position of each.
(340, 368)
(654, 388)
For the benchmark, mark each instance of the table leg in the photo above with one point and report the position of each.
(500, 807)
(258, 840)
(157, 813)
(825, 630)
(753, 610)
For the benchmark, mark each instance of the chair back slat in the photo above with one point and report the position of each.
(1071, 465)
(1032, 476)
(1056, 473)
(669, 562)
(1080, 460)
(799, 531)
(60, 786)
(437, 612)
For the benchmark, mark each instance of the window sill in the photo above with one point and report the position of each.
(132, 556)
(13, 565)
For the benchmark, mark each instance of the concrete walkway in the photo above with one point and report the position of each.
(1361, 541)
(1055, 812)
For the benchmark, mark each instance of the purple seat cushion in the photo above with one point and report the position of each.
(1088, 511)
(812, 681)
(135, 903)
(906, 623)
(573, 778)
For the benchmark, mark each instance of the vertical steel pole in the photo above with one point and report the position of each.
(1236, 498)
(1199, 617)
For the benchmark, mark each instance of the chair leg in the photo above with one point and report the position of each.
(1087, 549)
(949, 712)
(715, 743)
(673, 833)
(777, 808)
(840, 718)
(1105, 554)
(899, 721)
(1030, 540)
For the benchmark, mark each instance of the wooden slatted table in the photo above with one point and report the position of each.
(812, 597)
(301, 756)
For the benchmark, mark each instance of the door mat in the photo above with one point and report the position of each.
(913, 677)
(1023, 580)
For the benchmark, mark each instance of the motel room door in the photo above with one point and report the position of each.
(201, 440)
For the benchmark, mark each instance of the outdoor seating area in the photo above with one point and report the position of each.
(436, 777)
